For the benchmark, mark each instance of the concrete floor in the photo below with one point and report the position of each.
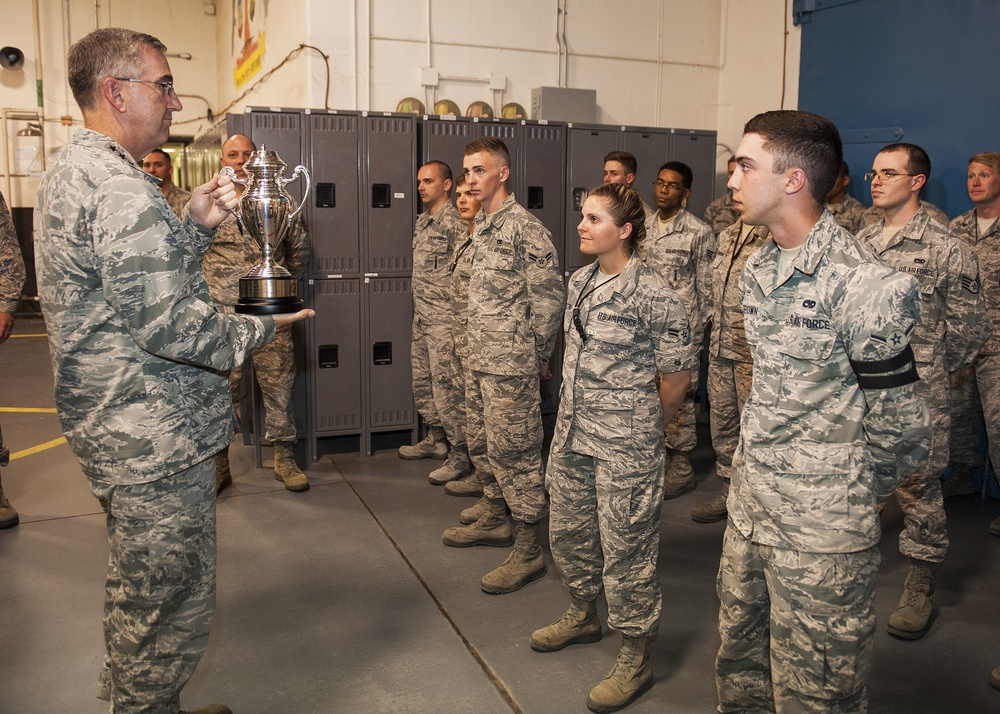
(343, 599)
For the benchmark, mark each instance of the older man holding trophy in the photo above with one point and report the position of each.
(253, 267)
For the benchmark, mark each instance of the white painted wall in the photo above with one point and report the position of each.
(703, 64)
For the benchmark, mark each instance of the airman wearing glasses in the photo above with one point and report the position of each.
(952, 328)
(140, 356)
(679, 248)
(874, 213)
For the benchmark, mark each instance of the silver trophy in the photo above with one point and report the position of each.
(265, 212)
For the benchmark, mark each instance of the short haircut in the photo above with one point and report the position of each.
(801, 140)
(108, 52)
(624, 158)
(987, 158)
(166, 156)
(917, 160)
(624, 206)
(844, 170)
(460, 181)
(492, 146)
(443, 169)
(687, 176)
(732, 160)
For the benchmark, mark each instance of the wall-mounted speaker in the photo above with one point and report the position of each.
(11, 58)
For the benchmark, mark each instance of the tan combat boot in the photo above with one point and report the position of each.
(210, 709)
(911, 620)
(578, 625)
(959, 484)
(474, 512)
(286, 470)
(995, 678)
(471, 486)
(8, 516)
(492, 528)
(628, 679)
(432, 446)
(455, 467)
(995, 526)
(714, 510)
(223, 476)
(524, 564)
(679, 476)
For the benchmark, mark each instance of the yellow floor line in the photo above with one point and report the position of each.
(30, 335)
(27, 410)
(36, 449)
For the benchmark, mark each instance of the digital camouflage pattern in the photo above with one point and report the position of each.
(682, 259)
(816, 451)
(516, 292)
(516, 297)
(157, 613)
(811, 649)
(874, 215)
(140, 354)
(461, 270)
(605, 469)
(177, 198)
(730, 366)
(952, 328)
(11, 264)
(848, 213)
(978, 396)
(229, 258)
(138, 348)
(431, 353)
(720, 214)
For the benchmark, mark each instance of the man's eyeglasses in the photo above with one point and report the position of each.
(664, 184)
(884, 175)
(166, 85)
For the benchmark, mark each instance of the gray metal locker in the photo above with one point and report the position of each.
(587, 146)
(335, 358)
(333, 211)
(389, 309)
(508, 131)
(697, 150)
(389, 171)
(542, 163)
(444, 139)
(650, 148)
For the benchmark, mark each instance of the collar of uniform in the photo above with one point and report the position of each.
(913, 230)
(629, 277)
(677, 225)
(497, 218)
(764, 264)
(97, 140)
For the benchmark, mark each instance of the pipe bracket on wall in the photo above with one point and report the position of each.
(802, 8)
(876, 135)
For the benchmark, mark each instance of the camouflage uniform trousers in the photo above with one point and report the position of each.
(455, 403)
(160, 588)
(975, 400)
(925, 531)
(797, 629)
(680, 433)
(604, 530)
(434, 392)
(274, 367)
(728, 389)
(503, 430)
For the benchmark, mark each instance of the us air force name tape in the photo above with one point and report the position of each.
(883, 374)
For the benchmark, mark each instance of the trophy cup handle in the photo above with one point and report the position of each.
(228, 171)
(300, 170)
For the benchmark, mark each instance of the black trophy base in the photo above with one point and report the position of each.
(269, 306)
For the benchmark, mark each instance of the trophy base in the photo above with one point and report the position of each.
(268, 296)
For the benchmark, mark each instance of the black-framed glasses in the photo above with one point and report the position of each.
(166, 85)
(884, 175)
(665, 184)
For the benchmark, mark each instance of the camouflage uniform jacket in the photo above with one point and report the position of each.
(848, 213)
(139, 351)
(720, 213)
(434, 241)
(232, 254)
(177, 198)
(461, 271)
(987, 249)
(682, 258)
(11, 264)
(610, 406)
(728, 338)
(817, 452)
(516, 292)
(953, 325)
(874, 215)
